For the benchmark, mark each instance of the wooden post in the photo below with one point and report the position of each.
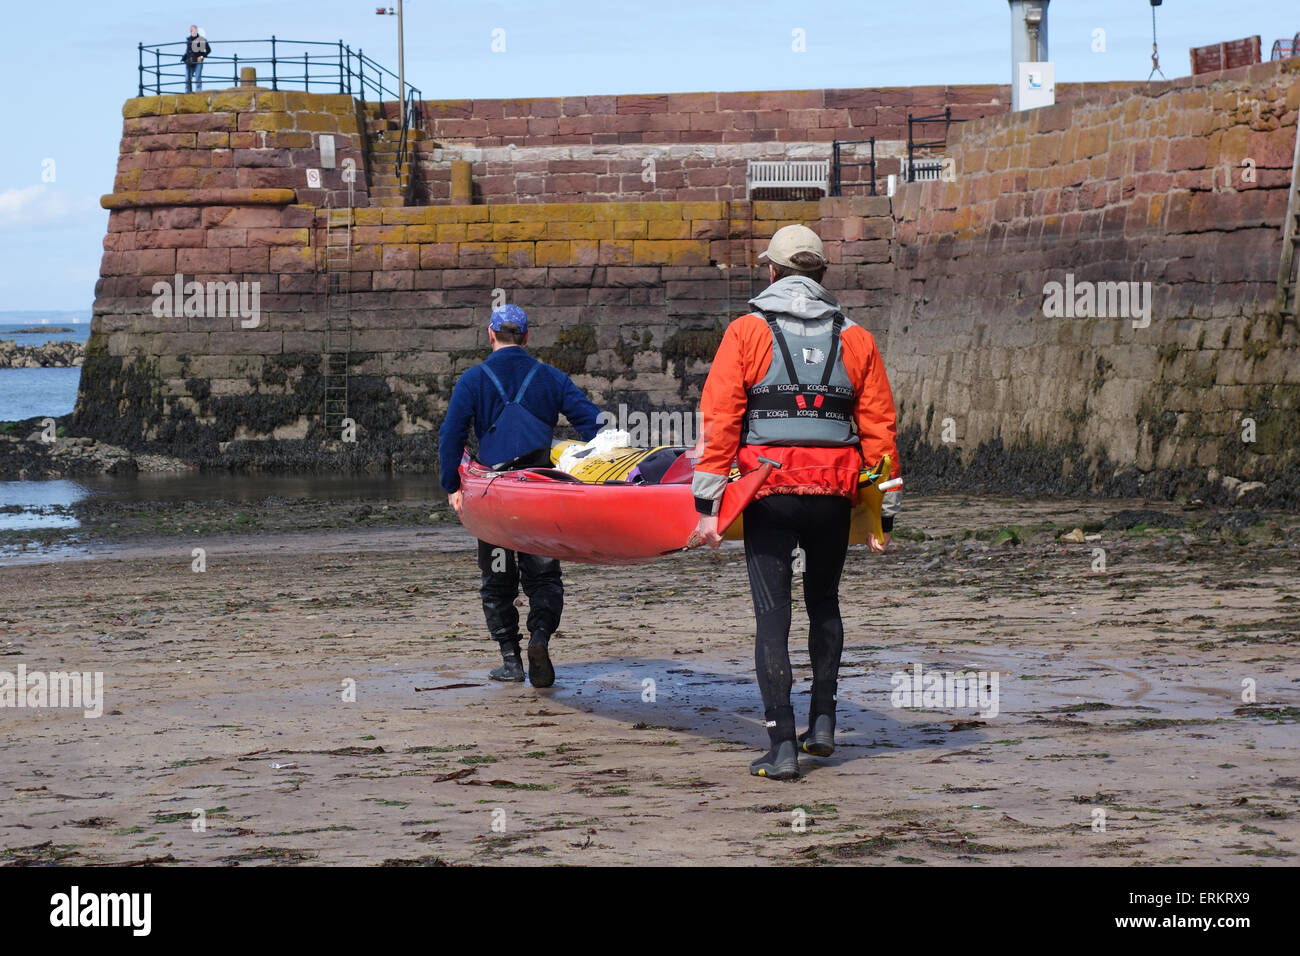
(462, 186)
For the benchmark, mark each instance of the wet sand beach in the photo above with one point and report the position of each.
(1121, 736)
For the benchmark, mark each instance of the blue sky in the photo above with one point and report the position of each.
(70, 65)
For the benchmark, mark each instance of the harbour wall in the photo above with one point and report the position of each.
(1181, 185)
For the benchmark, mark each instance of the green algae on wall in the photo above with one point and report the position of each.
(688, 346)
(573, 346)
(120, 398)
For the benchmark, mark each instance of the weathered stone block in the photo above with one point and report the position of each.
(681, 252)
(377, 235)
(668, 229)
(206, 261)
(254, 122)
(631, 229)
(278, 237)
(442, 255)
(291, 259)
(246, 342)
(553, 253)
(615, 252)
(248, 260)
(518, 231)
(478, 255)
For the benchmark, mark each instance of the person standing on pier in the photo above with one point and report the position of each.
(514, 402)
(798, 383)
(197, 49)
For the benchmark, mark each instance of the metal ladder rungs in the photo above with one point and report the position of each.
(338, 333)
(1286, 274)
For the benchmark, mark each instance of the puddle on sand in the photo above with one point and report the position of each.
(25, 505)
(706, 699)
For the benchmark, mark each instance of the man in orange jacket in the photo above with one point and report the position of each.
(797, 383)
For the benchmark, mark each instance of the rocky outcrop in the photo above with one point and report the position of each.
(31, 458)
(49, 355)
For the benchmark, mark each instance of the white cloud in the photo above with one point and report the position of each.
(40, 205)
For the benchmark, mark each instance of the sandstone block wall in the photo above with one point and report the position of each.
(236, 139)
(631, 173)
(1183, 186)
(570, 149)
(630, 298)
(748, 117)
(566, 149)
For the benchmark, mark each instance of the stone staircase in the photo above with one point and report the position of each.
(387, 188)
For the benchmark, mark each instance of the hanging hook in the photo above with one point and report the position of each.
(1155, 49)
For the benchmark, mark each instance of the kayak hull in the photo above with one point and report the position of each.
(544, 512)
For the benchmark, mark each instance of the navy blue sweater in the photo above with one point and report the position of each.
(475, 397)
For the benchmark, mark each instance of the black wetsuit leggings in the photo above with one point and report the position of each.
(503, 571)
(774, 527)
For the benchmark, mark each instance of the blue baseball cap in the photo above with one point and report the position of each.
(508, 313)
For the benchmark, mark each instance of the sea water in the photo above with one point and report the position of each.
(28, 392)
(47, 503)
(38, 504)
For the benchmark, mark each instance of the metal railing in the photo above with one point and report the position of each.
(913, 144)
(1282, 49)
(922, 170)
(412, 118)
(837, 164)
(293, 64)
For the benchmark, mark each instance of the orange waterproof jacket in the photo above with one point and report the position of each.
(742, 361)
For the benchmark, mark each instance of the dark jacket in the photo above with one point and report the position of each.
(550, 393)
(195, 47)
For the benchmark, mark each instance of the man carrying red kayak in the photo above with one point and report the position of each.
(798, 383)
(514, 402)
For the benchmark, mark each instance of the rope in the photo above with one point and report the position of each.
(1155, 50)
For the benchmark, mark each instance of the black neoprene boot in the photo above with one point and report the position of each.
(541, 673)
(781, 762)
(512, 667)
(819, 738)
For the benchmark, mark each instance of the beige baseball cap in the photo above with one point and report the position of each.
(790, 240)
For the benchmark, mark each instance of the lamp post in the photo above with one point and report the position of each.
(401, 58)
(1028, 32)
(1029, 56)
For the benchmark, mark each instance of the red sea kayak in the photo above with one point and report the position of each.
(546, 512)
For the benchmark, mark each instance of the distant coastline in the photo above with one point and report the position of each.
(44, 316)
(41, 330)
